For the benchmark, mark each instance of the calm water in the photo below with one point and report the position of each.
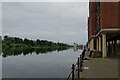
(49, 65)
(0, 66)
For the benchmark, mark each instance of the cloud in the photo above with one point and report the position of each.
(0, 18)
(57, 21)
(44, 0)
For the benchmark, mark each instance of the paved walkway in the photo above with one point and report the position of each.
(100, 68)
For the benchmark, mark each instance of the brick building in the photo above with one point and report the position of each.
(104, 27)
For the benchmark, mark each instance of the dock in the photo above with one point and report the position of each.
(94, 68)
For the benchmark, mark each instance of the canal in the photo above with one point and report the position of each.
(54, 64)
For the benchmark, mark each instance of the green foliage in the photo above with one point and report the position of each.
(17, 43)
(17, 46)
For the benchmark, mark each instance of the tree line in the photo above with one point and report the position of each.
(19, 43)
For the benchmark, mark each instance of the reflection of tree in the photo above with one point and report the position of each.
(62, 48)
(16, 46)
(0, 45)
(10, 52)
(16, 52)
(26, 51)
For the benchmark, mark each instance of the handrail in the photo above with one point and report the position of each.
(71, 71)
(69, 75)
(74, 68)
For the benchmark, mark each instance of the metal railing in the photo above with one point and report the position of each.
(77, 67)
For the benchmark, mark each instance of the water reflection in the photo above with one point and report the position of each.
(16, 52)
(53, 64)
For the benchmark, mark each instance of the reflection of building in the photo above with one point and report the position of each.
(104, 27)
(76, 46)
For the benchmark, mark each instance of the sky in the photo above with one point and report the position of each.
(54, 21)
(0, 18)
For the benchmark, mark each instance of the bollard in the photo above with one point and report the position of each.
(80, 60)
(81, 63)
(78, 68)
(73, 68)
(80, 56)
(83, 54)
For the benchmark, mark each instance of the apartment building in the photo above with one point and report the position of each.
(104, 27)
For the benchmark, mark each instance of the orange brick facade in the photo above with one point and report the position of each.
(109, 15)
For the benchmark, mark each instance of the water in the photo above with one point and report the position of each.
(49, 65)
(0, 66)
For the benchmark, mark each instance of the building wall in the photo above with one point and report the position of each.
(88, 30)
(109, 15)
(92, 22)
(91, 19)
(108, 18)
(119, 15)
(103, 15)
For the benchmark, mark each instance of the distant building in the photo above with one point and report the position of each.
(81, 46)
(75, 45)
(104, 27)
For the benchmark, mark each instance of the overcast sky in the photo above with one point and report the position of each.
(55, 21)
